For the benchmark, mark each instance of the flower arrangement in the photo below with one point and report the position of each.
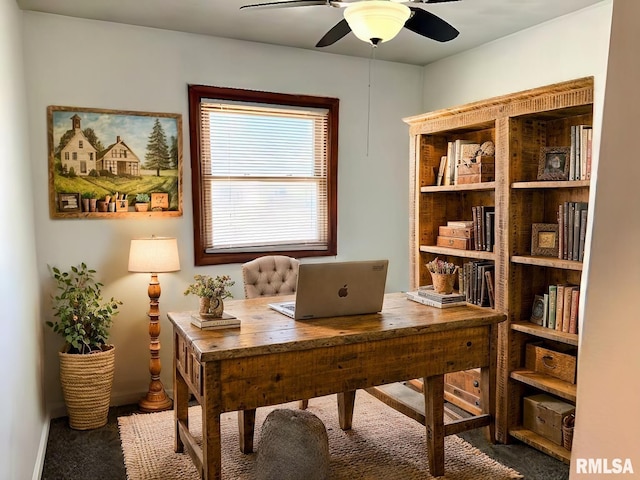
(206, 286)
(440, 266)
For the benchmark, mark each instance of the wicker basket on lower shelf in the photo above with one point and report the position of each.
(568, 424)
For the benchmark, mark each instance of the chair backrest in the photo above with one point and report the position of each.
(270, 276)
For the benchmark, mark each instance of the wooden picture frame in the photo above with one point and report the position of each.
(544, 239)
(554, 163)
(69, 202)
(537, 310)
(110, 156)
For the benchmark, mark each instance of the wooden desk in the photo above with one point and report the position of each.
(272, 359)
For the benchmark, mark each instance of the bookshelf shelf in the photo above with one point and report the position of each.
(550, 184)
(520, 125)
(546, 333)
(546, 383)
(538, 441)
(547, 262)
(454, 252)
(459, 188)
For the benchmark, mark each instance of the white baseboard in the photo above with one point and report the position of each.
(38, 466)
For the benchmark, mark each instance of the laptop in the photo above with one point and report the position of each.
(337, 288)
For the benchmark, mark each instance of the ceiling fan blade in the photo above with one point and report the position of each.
(335, 34)
(433, 1)
(286, 4)
(431, 26)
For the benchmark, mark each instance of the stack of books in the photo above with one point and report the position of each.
(208, 323)
(427, 296)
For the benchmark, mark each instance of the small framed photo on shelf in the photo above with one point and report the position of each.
(68, 202)
(544, 239)
(537, 311)
(554, 163)
(159, 201)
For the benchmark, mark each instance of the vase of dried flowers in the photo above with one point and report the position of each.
(443, 275)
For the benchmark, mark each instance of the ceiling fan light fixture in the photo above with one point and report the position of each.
(376, 21)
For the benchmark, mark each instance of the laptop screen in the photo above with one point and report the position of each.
(339, 288)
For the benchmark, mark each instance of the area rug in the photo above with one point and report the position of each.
(382, 444)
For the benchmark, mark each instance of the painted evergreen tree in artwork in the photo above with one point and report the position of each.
(157, 157)
(174, 152)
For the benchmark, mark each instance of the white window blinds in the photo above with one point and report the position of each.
(264, 177)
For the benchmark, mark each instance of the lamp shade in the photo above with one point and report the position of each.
(376, 21)
(154, 255)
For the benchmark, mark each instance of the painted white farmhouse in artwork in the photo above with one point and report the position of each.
(80, 155)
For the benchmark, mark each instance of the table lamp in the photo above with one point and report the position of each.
(154, 255)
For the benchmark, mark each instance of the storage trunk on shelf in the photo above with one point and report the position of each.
(480, 170)
(543, 414)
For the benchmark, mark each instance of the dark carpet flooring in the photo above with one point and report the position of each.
(97, 454)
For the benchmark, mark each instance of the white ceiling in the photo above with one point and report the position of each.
(479, 22)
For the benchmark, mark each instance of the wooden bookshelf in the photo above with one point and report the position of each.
(518, 125)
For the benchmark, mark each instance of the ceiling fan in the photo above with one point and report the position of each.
(376, 21)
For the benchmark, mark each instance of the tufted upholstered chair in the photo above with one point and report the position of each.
(270, 276)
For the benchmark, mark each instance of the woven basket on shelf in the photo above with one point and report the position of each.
(86, 386)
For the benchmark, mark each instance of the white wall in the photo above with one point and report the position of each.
(22, 416)
(608, 383)
(571, 47)
(83, 63)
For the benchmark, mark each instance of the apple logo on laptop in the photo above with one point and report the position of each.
(343, 292)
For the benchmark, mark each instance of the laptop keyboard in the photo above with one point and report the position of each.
(289, 306)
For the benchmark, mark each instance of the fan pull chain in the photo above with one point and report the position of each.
(371, 59)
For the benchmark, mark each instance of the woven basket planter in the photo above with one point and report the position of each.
(86, 386)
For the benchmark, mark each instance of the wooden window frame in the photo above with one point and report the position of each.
(196, 94)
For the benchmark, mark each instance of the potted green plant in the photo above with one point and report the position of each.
(142, 202)
(86, 360)
(212, 292)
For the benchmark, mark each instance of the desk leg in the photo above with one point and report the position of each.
(211, 410)
(180, 406)
(346, 401)
(434, 421)
(246, 427)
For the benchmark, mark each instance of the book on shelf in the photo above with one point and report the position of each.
(566, 313)
(589, 153)
(492, 297)
(561, 234)
(577, 219)
(475, 281)
(573, 318)
(553, 290)
(559, 307)
(583, 234)
(429, 292)
(460, 223)
(457, 157)
(441, 169)
(416, 297)
(545, 312)
(209, 323)
(489, 228)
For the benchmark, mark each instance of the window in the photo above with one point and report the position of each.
(74, 155)
(79, 143)
(264, 172)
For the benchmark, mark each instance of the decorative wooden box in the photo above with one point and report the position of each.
(481, 170)
(543, 415)
(550, 362)
(122, 205)
(454, 242)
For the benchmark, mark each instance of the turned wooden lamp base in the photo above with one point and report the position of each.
(155, 402)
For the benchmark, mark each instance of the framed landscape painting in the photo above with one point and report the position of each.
(107, 160)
